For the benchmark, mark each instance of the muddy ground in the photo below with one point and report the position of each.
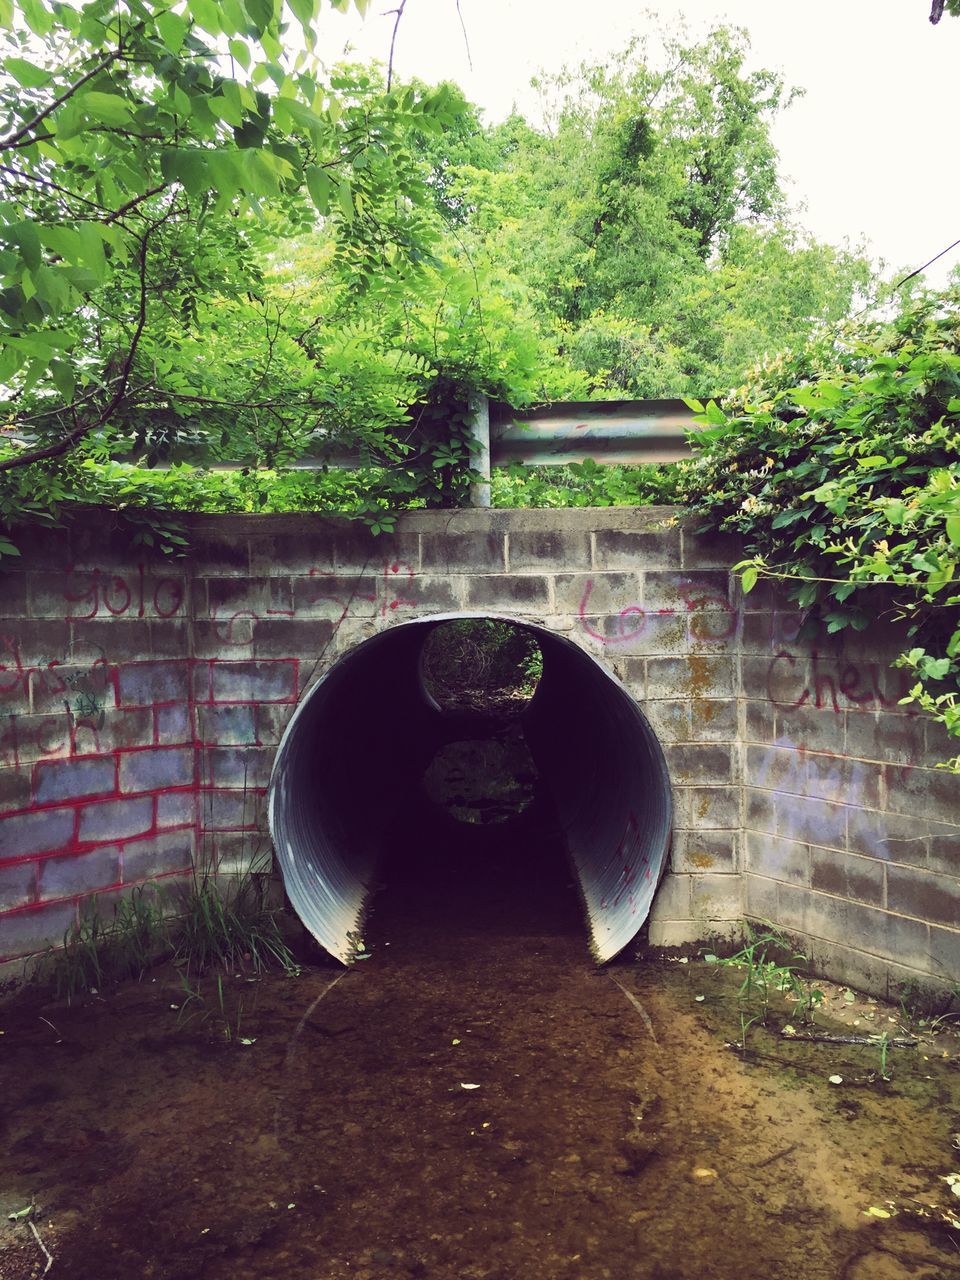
(474, 1101)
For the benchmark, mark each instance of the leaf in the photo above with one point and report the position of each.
(345, 199)
(108, 108)
(320, 186)
(26, 73)
(953, 530)
(37, 17)
(173, 28)
(749, 579)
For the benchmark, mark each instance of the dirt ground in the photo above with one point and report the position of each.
(474, 1101)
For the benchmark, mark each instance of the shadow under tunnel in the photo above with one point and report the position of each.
(348, 807)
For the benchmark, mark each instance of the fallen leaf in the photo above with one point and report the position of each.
(468, 1086)
(836, 1079)
(874, 1212)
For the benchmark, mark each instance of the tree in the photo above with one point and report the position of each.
(150, 149)
(647, 218)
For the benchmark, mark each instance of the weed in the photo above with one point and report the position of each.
(765, 973)
(96, 952)
(883, 1045)
(229, 932)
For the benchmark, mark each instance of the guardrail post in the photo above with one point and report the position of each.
(480, 455)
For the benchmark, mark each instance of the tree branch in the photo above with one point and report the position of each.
(25, 130)
(65, 444)
(393, 40)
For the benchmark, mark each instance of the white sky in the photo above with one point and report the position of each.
(870, 151)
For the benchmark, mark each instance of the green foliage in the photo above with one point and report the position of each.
(481, 653)
(770, 966)
(100, 950)
(840, 468)
(584, 484)
(229, 927)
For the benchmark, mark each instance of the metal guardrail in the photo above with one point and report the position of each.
(611, 431)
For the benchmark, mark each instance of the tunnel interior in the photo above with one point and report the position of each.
(390, 773)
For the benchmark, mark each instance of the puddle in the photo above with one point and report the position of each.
(610, 1133)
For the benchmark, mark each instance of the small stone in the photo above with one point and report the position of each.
(702, 1176)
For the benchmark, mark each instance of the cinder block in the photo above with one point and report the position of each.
(687, 592)
(229, 810)
(463, 553)
(158, 855)
(44, 831)
(709, 550)
(930, 792)
(83, 689)
(713, 720)
(694, 677)
(597, 594)
(777, 858)
(156, 768)
(944, 962)
(237, 766)
(176, 808)
(888, 836)
(297, 550)
(716, 897)
(810, 820)
(173, 725)
(847, 876)
(15, 790)
(669, 719)
(699, 852)
(636, 549)
(290, 637)
(672, 898)
(545, 550)
(760, 897)
(760, 722)
(761, 810)
(943, 851)
(144, 684)
(268, 681)
(810, 729)
(79, 873)
(508, 593)
(115, 819)
(18, 887)
(897, 739)
(714, 807)
(356, 548)
(691, 762)
(400, 594)
(231, 637)
(34, 929)
(72, 779)
(169, 638)
(846, 781)
(632, 631)
(120, 730)
(34, 644)
(222, 552)
(928, 896)
(333, 596)
(13, 595)
(270, 721)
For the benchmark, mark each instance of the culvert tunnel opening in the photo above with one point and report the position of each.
(401, 771)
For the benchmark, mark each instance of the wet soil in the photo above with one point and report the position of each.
(474, 1101)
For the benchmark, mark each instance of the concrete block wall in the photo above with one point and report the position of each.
(142, 701)
(851, 836)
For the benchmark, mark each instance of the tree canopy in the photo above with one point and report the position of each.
(214, 249)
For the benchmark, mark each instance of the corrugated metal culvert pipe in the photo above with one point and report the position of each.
(358, 745)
